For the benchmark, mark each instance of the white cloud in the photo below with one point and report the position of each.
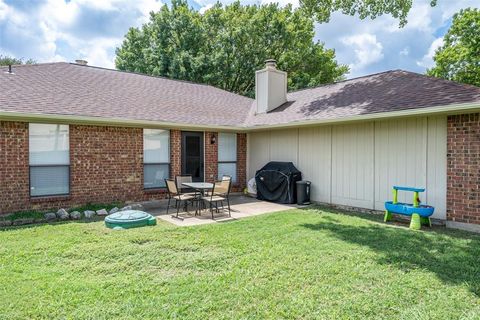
(59, 30)
(206, 4)
(59, 13)
(54, 30)
(17, 26)
(98, 54)
(205, 8)
(405, 51)
(366, 47)
(295, 4)
(147, 6)
(425, 25)
(427, 60)
(5, 11)
(419, 18)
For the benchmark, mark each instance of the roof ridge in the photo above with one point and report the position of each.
(128, 72)
(346, 80)
(158, 77)
(34, 64)
(443, 80)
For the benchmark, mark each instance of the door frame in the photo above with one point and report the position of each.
(200, 134)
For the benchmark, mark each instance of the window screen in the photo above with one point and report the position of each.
(49, 158)
(227, 155)
(156, 157)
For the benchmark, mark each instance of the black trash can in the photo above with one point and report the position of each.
(303, 192)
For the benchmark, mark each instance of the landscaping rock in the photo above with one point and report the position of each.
(50, 216)
(5, 223)
(62, 214)
(113, 210)
(126, 208)
(19, 222)
(137, 206)
(75, 215)
(102, 212)
(89, 214)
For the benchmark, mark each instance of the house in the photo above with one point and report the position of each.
(72, 134)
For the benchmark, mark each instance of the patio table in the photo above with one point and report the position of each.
(200, 187)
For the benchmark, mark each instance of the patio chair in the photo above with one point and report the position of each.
(179, 180)
(219, 194)
(196, 196)
(178, 197)
(224, 177)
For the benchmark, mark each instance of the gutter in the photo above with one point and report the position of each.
(85, 120)
(117, 122)
(437, 110)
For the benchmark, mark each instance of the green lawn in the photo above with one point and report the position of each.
(304, 264)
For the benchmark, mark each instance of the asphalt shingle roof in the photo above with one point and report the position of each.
(71, 89)
(383, 92)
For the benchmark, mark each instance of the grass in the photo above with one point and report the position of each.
(35, 214)
(303, 264)
(23, 215)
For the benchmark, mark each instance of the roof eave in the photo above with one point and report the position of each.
(117, 122)
(436, 110)
(86, 120)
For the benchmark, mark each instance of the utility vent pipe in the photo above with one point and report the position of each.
(9, 71)
(81, 62)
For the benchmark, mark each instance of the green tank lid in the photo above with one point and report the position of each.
(129, 219)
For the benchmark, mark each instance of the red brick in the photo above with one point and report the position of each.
(211, 157)
(241, 162)
(106, 165)
(463, 171)
(175, 153)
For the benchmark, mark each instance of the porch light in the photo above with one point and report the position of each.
(213, 139)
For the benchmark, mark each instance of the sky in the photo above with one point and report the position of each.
(66, 30)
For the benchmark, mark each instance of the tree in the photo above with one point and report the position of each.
(322, 9)
(458, 59)
(7, 60)
(227, 44)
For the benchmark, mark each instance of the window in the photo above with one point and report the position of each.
(156, 158)
(227, 155)
(49, 158)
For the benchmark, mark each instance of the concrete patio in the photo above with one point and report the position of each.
(241, 207)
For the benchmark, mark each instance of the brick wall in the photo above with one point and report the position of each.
(211, 157)
(241, 162)
(106, 165)
(463, 168)
(14, 174)
(175, 153)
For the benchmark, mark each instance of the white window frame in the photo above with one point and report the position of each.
(219, 162)
(53, 164)
(147, 163)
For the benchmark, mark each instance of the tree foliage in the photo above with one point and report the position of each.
(321, 10)
(458, 59)
(227, 44)
(7, 60)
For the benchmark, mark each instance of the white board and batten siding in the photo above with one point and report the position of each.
(352, 165)
(357, 164)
